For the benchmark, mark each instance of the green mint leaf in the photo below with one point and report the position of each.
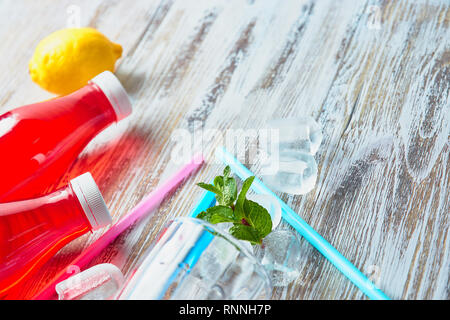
(226, 172)
(243, 232)
(229, 191)
(251, 221)
(258, 217)
(217, 214)
(218, 182)
(239, 208)
(227, 184)
(225, 188)
(209, 187)
(214, 189)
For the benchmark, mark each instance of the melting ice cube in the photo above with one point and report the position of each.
(294, 169)
(296, 134)
(296, 174)
(280, 254)
(100, 282)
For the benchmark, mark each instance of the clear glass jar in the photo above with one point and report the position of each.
(195, 260)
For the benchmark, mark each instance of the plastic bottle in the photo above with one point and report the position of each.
(32, 231)
(39, 142)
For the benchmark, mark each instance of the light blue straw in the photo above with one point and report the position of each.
(304, 229)
(207, 200)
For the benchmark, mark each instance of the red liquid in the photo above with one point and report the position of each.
(32, 231)
(39, 142)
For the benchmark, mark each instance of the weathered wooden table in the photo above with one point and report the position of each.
(375, 75)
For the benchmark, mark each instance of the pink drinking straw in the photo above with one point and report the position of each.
(147, 205)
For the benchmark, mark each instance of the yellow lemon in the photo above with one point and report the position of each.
(67, 59)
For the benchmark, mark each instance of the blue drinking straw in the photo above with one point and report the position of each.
(304, 229)
(207, 200)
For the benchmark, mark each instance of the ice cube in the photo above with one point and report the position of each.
(99, 282)
(296, 173)
(233, 282)
(222, 272)
(289, 165)
(215, 259)
(296, 134)
(192, 287)
(280, 254)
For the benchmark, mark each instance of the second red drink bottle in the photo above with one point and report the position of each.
(32, 231)
(40, 141)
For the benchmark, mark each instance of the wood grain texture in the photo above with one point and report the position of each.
(380, 92)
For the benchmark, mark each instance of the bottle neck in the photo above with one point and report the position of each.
(69, 203)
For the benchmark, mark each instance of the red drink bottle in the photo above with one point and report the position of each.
(32, 231)
(38, 142)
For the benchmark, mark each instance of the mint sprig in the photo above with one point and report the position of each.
(251, 221)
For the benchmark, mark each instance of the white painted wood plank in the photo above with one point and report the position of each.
(381, 96)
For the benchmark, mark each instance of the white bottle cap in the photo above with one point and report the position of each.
(115, 92)
(91, 201)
